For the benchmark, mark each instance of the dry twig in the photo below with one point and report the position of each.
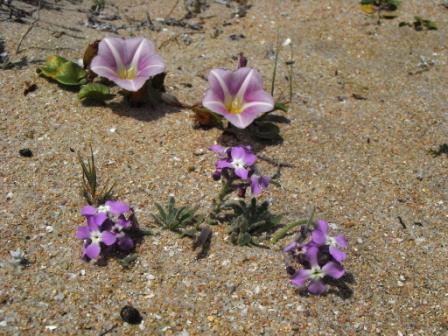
(29, 28)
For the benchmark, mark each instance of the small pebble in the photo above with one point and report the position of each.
(130, 315)
(237, 37)
(26, 152)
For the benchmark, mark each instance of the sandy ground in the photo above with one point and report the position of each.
(362, 163)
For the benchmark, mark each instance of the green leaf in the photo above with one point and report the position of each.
(174, 219)
(244, 239)
(63, 71)
(95, 91)
(393, 4)
(280, 106)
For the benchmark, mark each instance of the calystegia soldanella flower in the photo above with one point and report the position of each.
(237, 95)
(128, 63)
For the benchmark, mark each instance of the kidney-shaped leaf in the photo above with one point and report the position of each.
(95, 91)
(63, 71)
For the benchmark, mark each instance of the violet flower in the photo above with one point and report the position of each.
(220, 150)
(115, 208)
(237, 95)
(129, 63)
(316, 273)
(93, 236)
(258, 184)
(240, 160)
(320, 237)
(123, 241)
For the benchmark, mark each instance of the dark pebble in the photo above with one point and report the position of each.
(130, 315)
(26, 152)
(237, 37)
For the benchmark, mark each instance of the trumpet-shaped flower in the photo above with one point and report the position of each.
(237, 95)
(129, 63)
(316, 273)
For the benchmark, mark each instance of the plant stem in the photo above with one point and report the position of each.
(274, 72)
(219, 200)
(280, 234)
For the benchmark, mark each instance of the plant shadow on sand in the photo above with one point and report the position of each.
(339, 287)
(145, 113)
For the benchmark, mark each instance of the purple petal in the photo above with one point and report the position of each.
(241, 120)
(219, 80)
(214, 103)
(88, 210)
(317, 287)
(218, 149)
(149, 66)
(92, 223)
(244, 81)
(83, 232)
(92, 251)
(242, 173)
(117, 207)
(322, 226)
(340, 239)
(258, 184)
(319, 237)
(220, 164)
(108, 238)
(100, 218)
(238, 153)
(127, 84)
(258, 102)
(110, 57)
(334, 270)
(125, 224)
(300, 278)
(290, 247)
(250, 158)
(125, 243)
(337, 254)
(311, 253)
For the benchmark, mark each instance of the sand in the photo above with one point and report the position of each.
(362, 162)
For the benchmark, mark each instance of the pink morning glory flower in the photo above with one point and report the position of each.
(237, 95)
(315, 273)
(320, 237)
(128, 63)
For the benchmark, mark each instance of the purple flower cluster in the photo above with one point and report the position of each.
(238, 163)
(320, 257)
(106, 225)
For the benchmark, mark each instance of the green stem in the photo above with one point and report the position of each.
(280, 234)
(219, 201)
(274, 73)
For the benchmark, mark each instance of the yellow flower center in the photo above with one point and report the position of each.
(234, 105)
(124, 73)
